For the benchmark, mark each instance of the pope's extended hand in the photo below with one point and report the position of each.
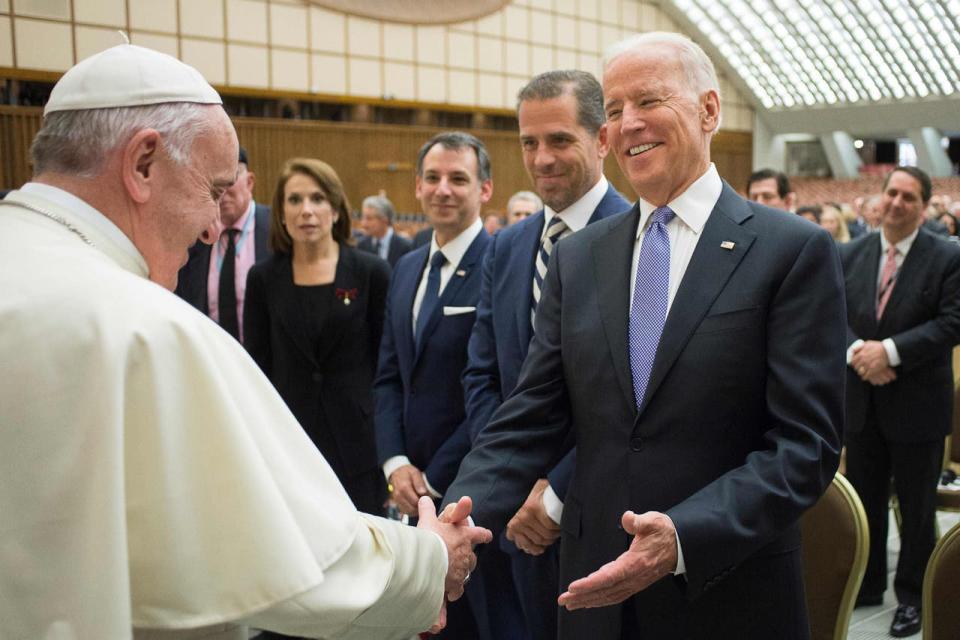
(652, 555)
(459, 537)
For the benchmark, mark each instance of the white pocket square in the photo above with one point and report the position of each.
(456, 311)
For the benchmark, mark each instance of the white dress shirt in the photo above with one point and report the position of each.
(454, 252)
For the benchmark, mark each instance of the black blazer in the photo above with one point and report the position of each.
(192, 279)
(922, 317)
(737, 437)
(399, 246)
(330, 388)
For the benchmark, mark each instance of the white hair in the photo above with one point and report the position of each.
(79, 142)
(698, 69)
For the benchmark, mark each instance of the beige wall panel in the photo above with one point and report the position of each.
(589, 62)
(57, 52)
(565, 59)
(153, 15)
(399, 81)
(514, 84)
(491, 25)
(490, 54)
(649, 17)
(5, 6)
(328, 31)
(247, 66)
(588, 36)
(565, 32)
(431, 84)
(630, 14)
(541, 27)
(208, 58)
(363, 37)
(463, 87)
(608, 36)
(518, 58)
(288, 26)
(329, 74)
(431, 44)
(59, 9)
(163, 44)
(462, 50)
(364, 78)
(247, 21)
(491, 90)
(541, 59)
(517, 22)
(587, 9)
(468, 26)
(6, 42)
(398, 42)
(542, 4)
(91, 40)
(609, 11)
(289, 70)
(108, 12)
(201, 18)
(567, 7)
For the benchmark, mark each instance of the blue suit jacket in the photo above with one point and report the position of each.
(417, 392)
(501, 336)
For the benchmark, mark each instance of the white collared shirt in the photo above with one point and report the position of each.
(383, 247)
(89, 214)
(454, 252)
(692, 208)
(578, 214)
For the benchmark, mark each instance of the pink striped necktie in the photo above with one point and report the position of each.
(888, 278)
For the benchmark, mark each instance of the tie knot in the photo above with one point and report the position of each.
(438, 260)
(556, 229)
(231, 233)
(892, 251)
(662, 215)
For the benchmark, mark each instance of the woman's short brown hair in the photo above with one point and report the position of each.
(326, 177)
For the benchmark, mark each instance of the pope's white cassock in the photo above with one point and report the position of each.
(151, 479)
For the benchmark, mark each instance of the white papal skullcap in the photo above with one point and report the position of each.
(129, 76)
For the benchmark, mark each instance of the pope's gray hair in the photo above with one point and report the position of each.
(79, 142)
(701, 76)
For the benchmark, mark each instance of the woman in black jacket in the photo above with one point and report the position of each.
(313, 317)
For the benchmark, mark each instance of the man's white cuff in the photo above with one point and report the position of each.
(853, 347)
(394, 463)
(893, 356)
(552, 504)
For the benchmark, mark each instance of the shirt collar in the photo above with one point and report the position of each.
(241, 222)
(693, 206)
(578, 214)
(454, 250)
(386, 237)
(87, 213)
(903, 246)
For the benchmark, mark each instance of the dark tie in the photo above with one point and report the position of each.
(227, 293)
(557, 229)
(888, 278)
(432, 295)
(648, 312)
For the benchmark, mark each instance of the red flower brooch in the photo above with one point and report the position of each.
(346, 295)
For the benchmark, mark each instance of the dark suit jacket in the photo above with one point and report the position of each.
(739, 429)
(399, 246)
(329, 388)
(501, 336)
(192, 280)
(922, 317)
(419, 398)
(422, 237)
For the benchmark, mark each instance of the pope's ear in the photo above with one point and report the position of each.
(139, 164)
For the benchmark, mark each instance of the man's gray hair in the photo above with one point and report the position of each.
(698, 69)
(529, 196)
(580, 84)
(79, 142)
(382, 205)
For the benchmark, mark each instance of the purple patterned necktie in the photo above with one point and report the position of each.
(648, 310)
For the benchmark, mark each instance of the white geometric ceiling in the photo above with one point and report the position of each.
(798, 54)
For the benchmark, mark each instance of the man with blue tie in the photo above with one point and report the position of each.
(420, 424)
(688, 346)
(563, 145)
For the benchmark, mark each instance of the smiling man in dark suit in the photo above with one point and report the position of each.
(903, 305)
(419, 419)
(210, 281)
(689, 345)
(563, 145)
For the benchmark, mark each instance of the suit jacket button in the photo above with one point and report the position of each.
(636, 443)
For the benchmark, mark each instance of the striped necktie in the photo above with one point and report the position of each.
(557, 229)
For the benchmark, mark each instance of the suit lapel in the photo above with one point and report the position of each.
(710, 267)
(293, 315)
(612, 257)
(866, 280)
(405, 285)
(522, 265)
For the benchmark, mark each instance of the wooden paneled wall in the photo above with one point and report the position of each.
(368, 158)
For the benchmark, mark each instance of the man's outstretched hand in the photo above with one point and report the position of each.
(460, 538)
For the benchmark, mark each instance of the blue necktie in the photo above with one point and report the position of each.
(648, 312)
(431, 297)
(558, 229)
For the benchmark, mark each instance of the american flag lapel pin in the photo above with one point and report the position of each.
(461, 272)
(728, 245)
